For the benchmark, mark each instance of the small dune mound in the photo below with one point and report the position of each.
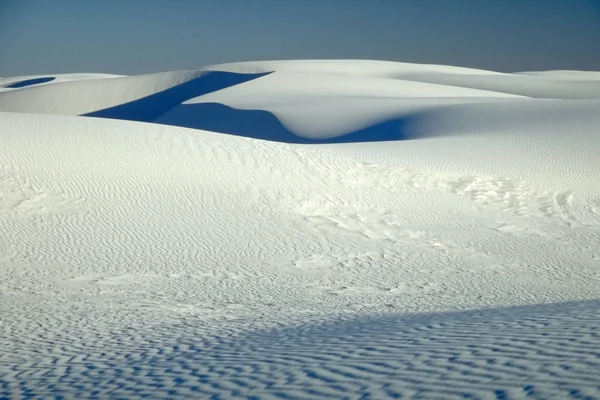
(30, 82)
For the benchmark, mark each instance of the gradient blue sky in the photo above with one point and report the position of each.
(137, 36)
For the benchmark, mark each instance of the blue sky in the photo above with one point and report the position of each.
(137, 36)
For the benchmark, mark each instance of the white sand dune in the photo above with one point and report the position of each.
(19, 82)
(372, 110)
(542, 85)
(147, 259)
(307, 101)
(118, 97)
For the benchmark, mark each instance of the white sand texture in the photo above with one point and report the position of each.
(340, 229)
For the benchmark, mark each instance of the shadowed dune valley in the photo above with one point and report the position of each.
(301, 229)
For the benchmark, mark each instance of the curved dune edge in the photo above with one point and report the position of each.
(321, 101)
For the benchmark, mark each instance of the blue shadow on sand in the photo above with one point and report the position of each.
(538, 351)
(166, 108)
(149, 108)
(29, 82)
(260, 124)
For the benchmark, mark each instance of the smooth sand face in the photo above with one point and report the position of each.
(329, 260)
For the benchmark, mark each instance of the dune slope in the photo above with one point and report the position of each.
(151, 259)
(319, 101)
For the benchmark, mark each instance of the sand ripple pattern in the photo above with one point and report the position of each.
(537, 352)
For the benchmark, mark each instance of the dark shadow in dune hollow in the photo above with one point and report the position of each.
(260, 124)
(29, 82)
(166, 108)
(149, 108)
